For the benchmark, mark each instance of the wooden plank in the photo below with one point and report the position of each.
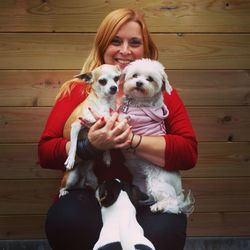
(219, 224)
(27, 196)
(221, 123)
(85, 16)
(22, 125)
(211, 195)
(67, 51)
(216, 159)
(196, 87)
(199, 224)
(20, 227)
(220, 194)
(20, 161)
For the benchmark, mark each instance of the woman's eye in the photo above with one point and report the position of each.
(134, 75)
(103, 81)
(135, 42)
(116, 41)
(116, 78)
(150, 79)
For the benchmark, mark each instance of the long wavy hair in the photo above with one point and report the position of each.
(105, 33)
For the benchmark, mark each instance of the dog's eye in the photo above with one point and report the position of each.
(150, 79)
(135, 75)
(116, 78)
(103, 81)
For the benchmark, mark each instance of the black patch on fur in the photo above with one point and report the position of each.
(112, 246)
(110, 190)
(142, 247)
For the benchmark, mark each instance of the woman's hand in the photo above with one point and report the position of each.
(108, 133)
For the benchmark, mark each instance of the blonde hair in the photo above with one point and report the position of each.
(105, 33)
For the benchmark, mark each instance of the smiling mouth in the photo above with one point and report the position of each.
(123, 61)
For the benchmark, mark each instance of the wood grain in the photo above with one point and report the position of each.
(199, 224)
(216, 159)
(225, 124)
(20, 161)
(68, 51)
(211, 194)
(161, 16)
(196, 87)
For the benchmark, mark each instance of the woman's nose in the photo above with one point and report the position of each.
(125, 48)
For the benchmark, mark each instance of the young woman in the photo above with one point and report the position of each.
(74, 221)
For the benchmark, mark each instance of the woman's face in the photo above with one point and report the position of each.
(126, 46)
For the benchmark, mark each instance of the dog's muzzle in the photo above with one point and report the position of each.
(113, 90)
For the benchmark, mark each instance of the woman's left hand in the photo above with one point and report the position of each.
(108, 133)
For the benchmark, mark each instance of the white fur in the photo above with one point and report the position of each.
(100, 100)
(144, 81)
(120, 225)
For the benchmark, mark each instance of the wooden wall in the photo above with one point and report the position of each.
(205, 45)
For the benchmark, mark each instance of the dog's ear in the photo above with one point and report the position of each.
(87, 77)
(166, 85)
(108, 192)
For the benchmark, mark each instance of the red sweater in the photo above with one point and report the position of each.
(181, 144)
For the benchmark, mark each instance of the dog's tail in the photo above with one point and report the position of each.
(187, 204)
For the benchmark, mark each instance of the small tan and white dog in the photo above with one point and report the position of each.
(143, 105)
(104, 82)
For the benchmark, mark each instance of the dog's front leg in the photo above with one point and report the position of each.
(75, 129)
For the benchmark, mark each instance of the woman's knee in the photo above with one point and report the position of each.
(74, 221)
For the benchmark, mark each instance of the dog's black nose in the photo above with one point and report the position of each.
(113, 89)
(139, 84)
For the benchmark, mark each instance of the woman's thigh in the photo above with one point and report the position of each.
(166, 231)
(74, 221)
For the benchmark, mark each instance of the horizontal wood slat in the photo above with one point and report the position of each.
(19, 125)
(199, 224)
(27, 196)
(211, 194)
(216, 159)
(68, 51)
(20, 161)
(196, 87)
(219, 224)
(85, 16)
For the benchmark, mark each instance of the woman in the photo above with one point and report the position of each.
(74, 221)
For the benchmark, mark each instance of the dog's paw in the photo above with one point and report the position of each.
(164, 206)
(69, 163)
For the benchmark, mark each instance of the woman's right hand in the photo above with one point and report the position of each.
(108, 133)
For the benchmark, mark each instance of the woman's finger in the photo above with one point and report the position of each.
(99, 124)
(123, 137)
(119, 128)
(96, 116)
(111, 122)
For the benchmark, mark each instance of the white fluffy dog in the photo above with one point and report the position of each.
(104, 82)
(143, 104)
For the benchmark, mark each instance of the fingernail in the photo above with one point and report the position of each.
(111, 110)
(102, 119)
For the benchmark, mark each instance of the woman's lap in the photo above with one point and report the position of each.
(67, 230)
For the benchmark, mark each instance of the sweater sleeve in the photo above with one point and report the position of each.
(52, 145)
(181, 144)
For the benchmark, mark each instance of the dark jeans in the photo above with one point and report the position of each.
(74, 223)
